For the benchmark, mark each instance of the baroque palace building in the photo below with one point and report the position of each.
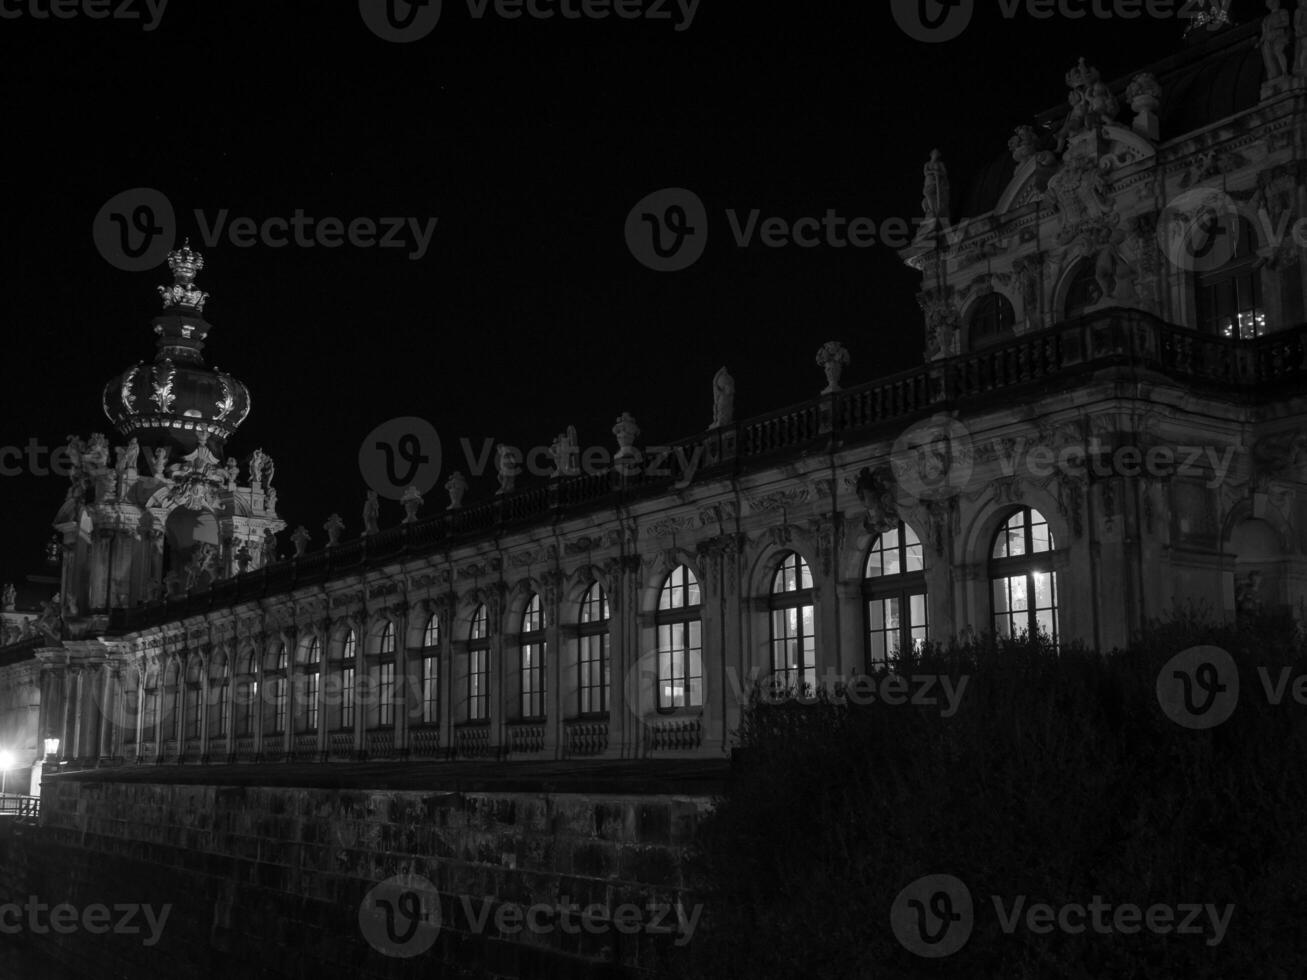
(1109, 420)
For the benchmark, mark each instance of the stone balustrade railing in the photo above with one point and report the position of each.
(1112, 338)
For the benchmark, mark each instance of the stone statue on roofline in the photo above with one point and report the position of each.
(723, 400)
(1274, 40)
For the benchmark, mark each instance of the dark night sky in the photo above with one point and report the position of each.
(530, 141)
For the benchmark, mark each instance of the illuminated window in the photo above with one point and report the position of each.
(793, 637)
(532, 667)
(894, 588)
(1022, 576)
(680, 641)
(1230, 300)
(348, 664)
(478, 666)
(593, 656)
(431, 672)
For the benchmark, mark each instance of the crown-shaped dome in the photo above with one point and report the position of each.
(167, 401)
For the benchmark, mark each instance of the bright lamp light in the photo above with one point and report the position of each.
(6, 759)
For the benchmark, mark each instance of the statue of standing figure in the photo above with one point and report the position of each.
(1274, 39)
(127, 456)
(935, 188)
(233, 473)
(261, 470)
(723, 398)
(269, 546)
(456, 487)
(10, 597)
(300, 539)
(506, 460)
(160, 462)
(371, 514)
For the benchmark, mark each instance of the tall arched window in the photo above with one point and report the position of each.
(219, 694)
(279, 665)
(348, 665)
(194, 697)
(247, 692)
(680, 641)
(793, 634)
(532, 666)
(312, 673)
(150, 721)
(478, 665)
(991, 321)
(1230, 298)
(1083, 291)
(386, 678)
(895, 591)
(430, 680)
(172, 700)
(593, 657)
(1021, 572)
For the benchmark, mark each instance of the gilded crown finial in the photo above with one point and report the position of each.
(185, 265)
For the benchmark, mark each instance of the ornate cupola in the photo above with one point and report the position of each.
(165, 403)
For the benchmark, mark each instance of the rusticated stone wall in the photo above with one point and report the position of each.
(269, 881)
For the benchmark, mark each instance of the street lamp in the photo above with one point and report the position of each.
(51, 747)
(6, 763)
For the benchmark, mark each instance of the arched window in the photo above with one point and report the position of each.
(219, 694)
(1230, 298)
(793, 636)
(1021, 571)
(386, 678)
(1083, 290)
(172, 700)
(894, 587)
(680, 642)
(478, 666)
(593, 657)
(991, 321)
(532, 666)
(277, 684)
(247, 692)
(348, 664)
(194, 697)
(312, 671)
(430, 683)
(151, 714)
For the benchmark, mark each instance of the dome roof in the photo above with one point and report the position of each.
(170, 400)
